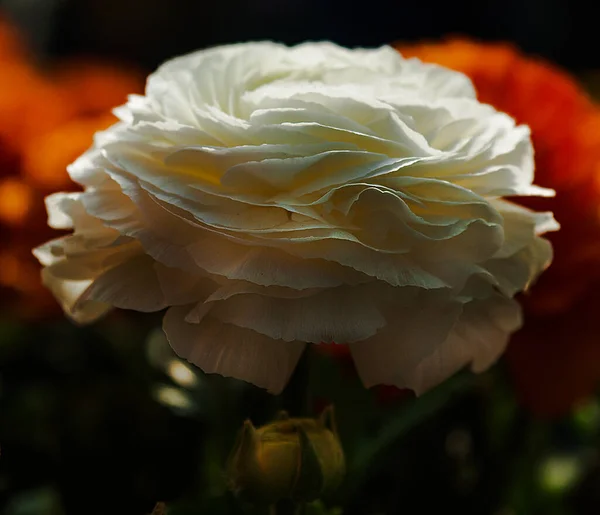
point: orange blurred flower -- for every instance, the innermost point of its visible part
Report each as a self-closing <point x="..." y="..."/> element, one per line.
<point x="15" y="201"/>
<point x="555" y="358"/>
<point x="46" y="121"/>
<point x="46" y="157"/>
<point x="12" y="46"/>
<point x="95" y="87"/>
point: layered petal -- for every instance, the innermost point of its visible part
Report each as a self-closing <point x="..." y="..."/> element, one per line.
<point x="271" y="197"/>
<point x="231" y="351"/>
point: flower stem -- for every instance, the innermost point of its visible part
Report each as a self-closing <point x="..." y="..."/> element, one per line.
<point x="296" y="398"/>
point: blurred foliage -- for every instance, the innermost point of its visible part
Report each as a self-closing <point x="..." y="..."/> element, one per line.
<point x="108" y="420"/>
<point x="78" y="421"/>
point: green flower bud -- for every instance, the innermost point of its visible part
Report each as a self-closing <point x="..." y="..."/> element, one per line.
<point x="290" y="458"/>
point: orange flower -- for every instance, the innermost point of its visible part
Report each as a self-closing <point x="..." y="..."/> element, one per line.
<point x="555" y="358"/>
<point x="96" y="87"/>
<point x="12" y="46"/>
<point x="46" y="121"/>
<point x="45" y="158"/>
<point x="15" y="201"/>
<point x="29" y="106"/>
<point x="92" y="90"/>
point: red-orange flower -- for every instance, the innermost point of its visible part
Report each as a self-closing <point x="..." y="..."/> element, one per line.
<point x="46" y="157"/>
<point x="555" y="358"/>
<point x="96" y="86"/>
<point x="46" y="121"/>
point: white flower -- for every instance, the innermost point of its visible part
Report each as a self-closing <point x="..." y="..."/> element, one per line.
<point x="271" y="197"/>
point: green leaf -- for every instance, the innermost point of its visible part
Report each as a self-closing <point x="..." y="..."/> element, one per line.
<point x="44" y="501"/>
<point x="372" y="453"/>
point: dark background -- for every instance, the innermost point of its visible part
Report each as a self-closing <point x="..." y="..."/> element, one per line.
<point x="150" y="31"/>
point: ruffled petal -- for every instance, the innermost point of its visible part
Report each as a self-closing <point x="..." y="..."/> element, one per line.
<point x="219" y="348"/>
<point x="415" y="331"/>
<point x="270" y="196"/>
<point x="331" y="315"/>
<point x="479" y="338"/>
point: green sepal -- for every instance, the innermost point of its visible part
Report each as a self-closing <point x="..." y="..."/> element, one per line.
<point x="240" y="456"/>
<point x="310" y="481"/>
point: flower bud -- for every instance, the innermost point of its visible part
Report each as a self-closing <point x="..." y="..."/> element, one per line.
<point x="290" y="458"/>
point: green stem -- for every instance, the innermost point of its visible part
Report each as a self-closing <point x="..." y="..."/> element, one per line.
<point x="296" y="398"/>
<point x="372" y="455"/>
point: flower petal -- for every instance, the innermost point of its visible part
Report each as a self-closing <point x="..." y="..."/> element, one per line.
<point x="231" y="351"/>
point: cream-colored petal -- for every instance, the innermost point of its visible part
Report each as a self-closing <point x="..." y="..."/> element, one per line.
<point x="68" y="292"/>
<point x="413" y="332"/>
<point x="476" y="335"/>
<point x="518" y="272"/>
<point x="521" y="226"/>
<point x="231" y="351"/>
<point x="479" y="338"/>
<point x="180" y="287"/>
<point x="131" y="285"/>
<point x="343" y="314"/>
<point x="311" y="193"/>
<point x="177" y="243"/>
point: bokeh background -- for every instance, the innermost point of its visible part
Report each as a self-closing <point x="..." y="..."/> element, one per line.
<point x="148" y="32"/>
<point x="106" y="420"/>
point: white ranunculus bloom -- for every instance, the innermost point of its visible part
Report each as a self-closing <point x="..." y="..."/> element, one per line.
<point x="269" y="197"/>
